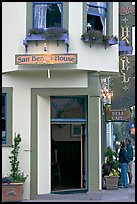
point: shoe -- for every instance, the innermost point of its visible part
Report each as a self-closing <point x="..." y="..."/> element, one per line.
<point x="125" y="186"/>
<point x="130" y="185"/>
<point x="120" y="186"/>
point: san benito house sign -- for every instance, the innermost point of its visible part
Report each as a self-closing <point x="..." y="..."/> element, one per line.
<point x="31" y="59"/>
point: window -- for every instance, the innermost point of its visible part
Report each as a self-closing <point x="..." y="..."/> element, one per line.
<point x="47" y="14"/>
<point x="6" y="116"/>
<point x="68" y="107"/>
<point x="96" y="15"/>
<point x="133" y="40"/>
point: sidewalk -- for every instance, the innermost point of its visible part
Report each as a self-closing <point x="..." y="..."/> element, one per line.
<point x="120" y="195"/>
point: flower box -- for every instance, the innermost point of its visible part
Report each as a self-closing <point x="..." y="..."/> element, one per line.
<point x="112" y="41"/>
<point x="12" y="192"/>
<point x="97" y="37"/>
<point x="12" y="185"/>
<point x="111" y="182"/>
<point x="54" y="34"/>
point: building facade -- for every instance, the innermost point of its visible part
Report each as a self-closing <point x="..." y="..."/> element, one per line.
<point x="51" y="92"/>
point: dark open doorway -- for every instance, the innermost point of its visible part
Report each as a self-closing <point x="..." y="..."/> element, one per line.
<point x="67" y="166"/>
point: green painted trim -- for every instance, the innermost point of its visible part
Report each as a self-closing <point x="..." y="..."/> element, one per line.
<point x="9" y="91"/>
<point x="33" y="159"/>
<point x="66" y="15"/>
<point x="84" y="17"/>
<point x="91" y="91"/>
<point x="93" y="141"/>
<point x="29" y="13"/>
<point x="109" y="19"/>
<point x="103" y="134"/>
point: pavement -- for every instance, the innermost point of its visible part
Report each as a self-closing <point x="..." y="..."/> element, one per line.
<point x="118" y="195"/>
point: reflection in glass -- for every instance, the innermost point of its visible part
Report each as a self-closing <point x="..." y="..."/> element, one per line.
<point x="67" y="107"/>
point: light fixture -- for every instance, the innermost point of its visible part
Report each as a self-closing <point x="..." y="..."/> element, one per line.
<point x="105" y="93"/>
<point x="48" y="72"/>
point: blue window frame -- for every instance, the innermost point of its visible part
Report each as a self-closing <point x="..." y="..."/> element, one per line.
<point x="47" y="14"/>
<point x="4" y="117"/>
<point x="96" y="15"/>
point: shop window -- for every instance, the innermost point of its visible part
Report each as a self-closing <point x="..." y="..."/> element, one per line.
<point x="96" y="16"/>
<point x="133" y="40"/>
<point x="47" y="14"/>
<point x="6" y="116"/>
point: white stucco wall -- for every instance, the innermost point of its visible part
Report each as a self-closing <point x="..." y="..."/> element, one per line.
<point x="21" y="124"/>
<point x="44" y="145"/>
<point x="22" y="84"/>
<point x="14" y="31"/>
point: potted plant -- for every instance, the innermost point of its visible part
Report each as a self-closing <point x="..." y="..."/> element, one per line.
<point x="12" y="185"/>
<point x="52" y="33"/>
<point x="97" y="37"/>
<point x="110" y="170"/>
<point x="112" y="180"/>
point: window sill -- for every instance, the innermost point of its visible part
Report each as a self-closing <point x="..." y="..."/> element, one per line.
<point x="41" y="37"/>
<point x="111" y="41"/>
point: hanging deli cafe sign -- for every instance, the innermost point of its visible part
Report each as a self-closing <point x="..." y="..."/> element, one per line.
<point x="117" y="114"/>
<point x="38" y="59"/>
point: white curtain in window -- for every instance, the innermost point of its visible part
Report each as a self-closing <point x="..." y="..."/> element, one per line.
<point x="101" y="11"/>
<point x="60" y="7"/>
<point x="40" y="16"/>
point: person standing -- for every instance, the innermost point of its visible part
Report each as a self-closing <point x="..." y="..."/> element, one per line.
<point x="123" y="160"/>
<point x="130" y="155"/>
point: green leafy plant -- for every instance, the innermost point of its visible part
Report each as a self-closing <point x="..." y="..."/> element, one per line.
<point x="111" y="165"/>
<point x="95" y="36"/>
<point x="15" y="176"/>
<point x="49" y="33"/>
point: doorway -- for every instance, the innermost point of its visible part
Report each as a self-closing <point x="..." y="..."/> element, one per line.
<point x="68" y="142"/>
<point x="68" y="156"/>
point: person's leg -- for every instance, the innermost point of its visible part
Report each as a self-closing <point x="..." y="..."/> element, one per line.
<point x="124" y="174"/>
<point x="130" y="173"/>
<point x="130" y="178"/>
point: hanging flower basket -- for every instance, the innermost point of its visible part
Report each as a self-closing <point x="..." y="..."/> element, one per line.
<point x="96" y="37"/>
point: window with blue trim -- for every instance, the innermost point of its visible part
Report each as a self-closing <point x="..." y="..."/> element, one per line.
<point x="96" y="16"/>
<point x="4" y="118"/>
<point x="7" y="116"/>
<point x="47" y="14"/>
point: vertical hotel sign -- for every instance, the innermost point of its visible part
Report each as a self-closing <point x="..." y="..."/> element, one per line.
<point x="37" y="59"/>
<point x="124" y="85"/>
